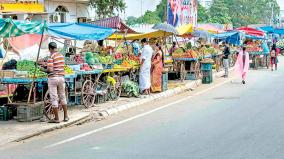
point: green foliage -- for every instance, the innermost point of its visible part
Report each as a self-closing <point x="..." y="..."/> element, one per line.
<point x="202" y="15"/>
<point x="151" y="18"/>
<point x="131" y="20"/>
<point x="243" y="12"/>
<point x="107" y="8"/>
<point x="161" y="10"/>
<point x="219" y="12"/>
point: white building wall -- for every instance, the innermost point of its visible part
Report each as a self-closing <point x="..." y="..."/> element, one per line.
<point x="75" y="10"/>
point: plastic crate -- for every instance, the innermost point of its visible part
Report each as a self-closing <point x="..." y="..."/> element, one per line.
<point x="118" y="62"/>
<point x="165" y="81"/>
<point x="6" y="113"/>
<point x="206" y="66"/>
<point x="7" y="74"/>
<point x="29" y="112"/>
<point x="190" y="76"/>
<point x="100" y="98"/>
<point x="207" y="77"/>
<point x="107" y="66"/>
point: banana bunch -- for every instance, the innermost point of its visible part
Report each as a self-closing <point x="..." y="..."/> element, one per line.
<point x="111" y="80"/>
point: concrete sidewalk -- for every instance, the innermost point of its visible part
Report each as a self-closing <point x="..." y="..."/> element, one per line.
<point x="12" y="130"/>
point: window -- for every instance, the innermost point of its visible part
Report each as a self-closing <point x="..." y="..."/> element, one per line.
<point x="60" y="15"/>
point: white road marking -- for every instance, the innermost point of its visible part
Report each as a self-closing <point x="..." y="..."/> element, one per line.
<point x="131" y="118"/>
<point x="96" y="148"/>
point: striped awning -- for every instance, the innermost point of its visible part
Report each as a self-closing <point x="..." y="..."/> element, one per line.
<point x="10" y="28"/>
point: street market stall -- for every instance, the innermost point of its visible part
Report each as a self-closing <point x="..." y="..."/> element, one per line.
<point x="34" y="81"/>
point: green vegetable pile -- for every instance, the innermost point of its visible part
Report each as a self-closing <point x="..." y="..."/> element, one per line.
<point x="130" y="88"/>
<point x="26" y="65"/>
<point x="106" y="59"/>
<point x="92" y="58"/>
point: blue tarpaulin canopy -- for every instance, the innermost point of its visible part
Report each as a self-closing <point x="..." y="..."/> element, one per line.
<point x="254" y="37"/>
<point x="79" y="31"/>
<point x="13" y="28"/>
<point x="279" y="31"/>
<point x="232" y="37"/>
<point x="268" y="29"/>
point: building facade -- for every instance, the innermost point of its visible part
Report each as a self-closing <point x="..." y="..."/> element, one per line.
<point x="54" y="11"/>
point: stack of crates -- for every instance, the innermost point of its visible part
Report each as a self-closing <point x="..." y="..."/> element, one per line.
<point x="206" y="69"/>
<point x="29" y="112"/>
<point x="6" y="113"/>
<point x="165" y="81"/>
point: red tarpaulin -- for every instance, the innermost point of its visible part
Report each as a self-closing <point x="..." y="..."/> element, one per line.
<point x="115" y="23"/>
<point x="251" y="31"/>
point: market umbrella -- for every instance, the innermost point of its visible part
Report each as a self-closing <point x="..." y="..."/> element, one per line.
<point x="166" y="28"/>
<point x="201" y="34"/>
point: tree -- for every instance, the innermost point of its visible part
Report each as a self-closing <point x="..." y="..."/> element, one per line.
<point x="132" y="20"/>
<point x="245" y="12"/>
<point x="151" y="18"/>
<point x="202" y="15"/>
<point x="219" y="12"/>
<point x="107" y="8"/>
<point x="161" y="10"/>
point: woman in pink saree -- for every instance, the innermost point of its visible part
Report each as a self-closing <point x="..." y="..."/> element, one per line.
<point x="242" y="64"/>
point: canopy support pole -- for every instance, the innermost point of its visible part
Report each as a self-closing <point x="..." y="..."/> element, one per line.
<point x="36" y="63"/>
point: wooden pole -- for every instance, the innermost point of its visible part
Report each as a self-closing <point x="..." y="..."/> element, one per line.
<point x="38" y="53"/>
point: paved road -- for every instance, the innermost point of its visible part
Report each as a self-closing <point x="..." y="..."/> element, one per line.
<point x="231" y="121"/>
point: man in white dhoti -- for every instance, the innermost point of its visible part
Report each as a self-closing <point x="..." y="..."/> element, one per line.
<point x="145" y="69"/>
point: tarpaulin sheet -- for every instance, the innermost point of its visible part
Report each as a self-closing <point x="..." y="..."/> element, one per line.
<point x="185" y="29"/>
<point x="209" y="28"/>
<point x="25" y="41"/>
<point x="233" y="37"/>
<point x="279" y="31"/>
<point x="251" y="31"/>
<point x="12" y="28"/>
<point x="268" y="29"/>
<point x="79" y="31"/>
<point x="254" y="37"/>
<point x="155" y="34"/>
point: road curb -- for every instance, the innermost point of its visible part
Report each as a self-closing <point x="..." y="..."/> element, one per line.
<point x="79" y="121"/>
<point x="115" y="110"/>
<point x="171" y="92"/>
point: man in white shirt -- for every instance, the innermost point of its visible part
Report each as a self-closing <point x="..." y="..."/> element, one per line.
<point x="145" y="69"/>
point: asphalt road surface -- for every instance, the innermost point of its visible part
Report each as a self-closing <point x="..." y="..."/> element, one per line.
<point x="226" y="120"/>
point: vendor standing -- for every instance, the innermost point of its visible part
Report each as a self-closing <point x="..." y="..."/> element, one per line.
<point x="56" y="82"/>
<point x="145" y="70"/>
<point x="226" y="54"/>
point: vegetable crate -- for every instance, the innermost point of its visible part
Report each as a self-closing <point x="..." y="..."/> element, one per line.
<point x="6" y="113"/>
<point x="29" y="112"/>
<point x="190" y="76"/>
<point x="108" y="66"/>
<point x="7" y="73"/>
<point x="207" y="77"/>
<point x="165" y="81"/>
<point x="101" y="98"/>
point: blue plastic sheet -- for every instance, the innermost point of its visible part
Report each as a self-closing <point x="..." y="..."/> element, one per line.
<point x="279" y="31"/>
<point x="268" y="29"/>
<point x="79" y="31"/>
<point x="232" y="37"/>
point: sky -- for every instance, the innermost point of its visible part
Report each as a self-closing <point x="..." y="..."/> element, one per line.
<point x="134" y="7"/>
<point x="281" y="4"/>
